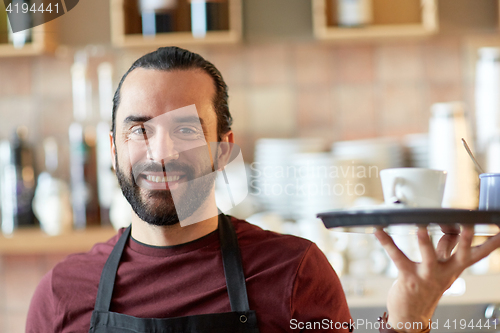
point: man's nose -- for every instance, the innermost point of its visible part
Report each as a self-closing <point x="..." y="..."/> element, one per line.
<point x="162" y="147"/>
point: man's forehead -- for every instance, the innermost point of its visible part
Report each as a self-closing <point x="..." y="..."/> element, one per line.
<point x="194" y="82"/>
<point x="150" y="92"/>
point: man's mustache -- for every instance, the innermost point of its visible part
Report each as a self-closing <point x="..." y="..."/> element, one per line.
<point x="142" y="167"/>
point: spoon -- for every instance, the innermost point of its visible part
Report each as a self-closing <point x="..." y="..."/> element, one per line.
<point x="478" y="167"/>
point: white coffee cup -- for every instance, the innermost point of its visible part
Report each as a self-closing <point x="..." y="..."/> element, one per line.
<point x="413" y="187"/>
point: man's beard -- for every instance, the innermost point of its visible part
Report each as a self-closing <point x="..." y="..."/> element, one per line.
<point x="161" y="210"/>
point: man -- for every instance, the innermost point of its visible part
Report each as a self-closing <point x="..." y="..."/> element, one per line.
<point x="182" y="267"/>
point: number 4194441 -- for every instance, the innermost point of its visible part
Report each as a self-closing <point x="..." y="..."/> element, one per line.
<point x="25" y="8"/>
<point x="462" y="324"/>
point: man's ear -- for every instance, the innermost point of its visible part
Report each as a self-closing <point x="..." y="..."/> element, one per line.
<point x="113" y="150"/>
<point x="228" y="137"/>
<point x="225" y="148"/>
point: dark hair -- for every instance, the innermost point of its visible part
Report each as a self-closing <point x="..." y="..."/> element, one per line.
<point x="174" y="58"/>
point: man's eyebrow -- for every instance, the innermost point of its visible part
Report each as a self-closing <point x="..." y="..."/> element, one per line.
<point x="136" y="119"/>
<point x="189" y="119"/>
<point x="180" y="120"/>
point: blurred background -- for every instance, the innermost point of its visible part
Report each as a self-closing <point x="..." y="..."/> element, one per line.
<point x="338" y="89"/>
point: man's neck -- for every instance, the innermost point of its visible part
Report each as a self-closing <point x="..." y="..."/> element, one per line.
<point x="171" y="235"/>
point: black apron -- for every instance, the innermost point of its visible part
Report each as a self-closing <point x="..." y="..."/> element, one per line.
<point x="240" y="320"/>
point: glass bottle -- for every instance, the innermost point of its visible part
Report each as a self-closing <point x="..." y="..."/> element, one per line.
<point x="20" y="22"/>
<point x="18" y="182"/>
<point x="157" y="16"/>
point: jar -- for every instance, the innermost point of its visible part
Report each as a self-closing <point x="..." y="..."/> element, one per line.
<point x="354" y="13"/>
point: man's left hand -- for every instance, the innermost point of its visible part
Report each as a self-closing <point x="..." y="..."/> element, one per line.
<point x="419" y="286"/>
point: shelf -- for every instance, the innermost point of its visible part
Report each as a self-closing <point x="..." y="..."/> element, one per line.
<point x="44" y="41"/>
<point x="391" y="19"/>
<point x="126" y="27"/>
<point x="34" y="241"/>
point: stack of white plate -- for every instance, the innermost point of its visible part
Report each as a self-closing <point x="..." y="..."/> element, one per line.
<point x="417" y="147"/>
<point x="273" y="174"/>
<point x="317" y="186"/>
<point x="383" y="152"/>
<point x="367" y="158"/>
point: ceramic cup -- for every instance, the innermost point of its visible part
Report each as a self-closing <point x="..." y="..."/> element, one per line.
<point x="489" y="191"/>
<point x="413" y="187"/>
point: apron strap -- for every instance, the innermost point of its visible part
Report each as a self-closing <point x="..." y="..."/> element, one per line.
<point x="108" y="275"/>
<point x="233" y="269"/>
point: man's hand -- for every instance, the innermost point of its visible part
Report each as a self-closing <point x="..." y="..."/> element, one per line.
<point x="419" y="286"/>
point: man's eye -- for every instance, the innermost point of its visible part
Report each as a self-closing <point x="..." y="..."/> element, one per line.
<point x="188" y="133"/>
<point x="186" y="130"/>
<point x="139" y="131"/>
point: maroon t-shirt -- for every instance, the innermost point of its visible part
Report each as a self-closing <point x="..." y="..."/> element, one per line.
<point x="289" y="283"/>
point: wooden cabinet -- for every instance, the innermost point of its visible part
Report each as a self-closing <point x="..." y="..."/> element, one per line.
<point x="43" y="39"/>
<point x="126" y="26"/>
<point x="391" y="18"/>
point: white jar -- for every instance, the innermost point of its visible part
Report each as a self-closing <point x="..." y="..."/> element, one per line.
<point x="487" y="99"/>
<point x="447" y="126"/>
<point x="353" y="13"/>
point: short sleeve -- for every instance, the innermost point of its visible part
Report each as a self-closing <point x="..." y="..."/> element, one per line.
<point x="41" y="312"/>
<point x="318" y="302"/>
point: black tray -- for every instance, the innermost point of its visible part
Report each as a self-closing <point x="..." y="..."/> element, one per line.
<point x="365" y="220"/>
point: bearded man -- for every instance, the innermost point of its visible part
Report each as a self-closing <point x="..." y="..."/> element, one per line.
<point x="182" y="266"/>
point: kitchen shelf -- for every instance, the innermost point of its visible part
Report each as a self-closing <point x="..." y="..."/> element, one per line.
<point x="43" y="41"/>
<point x="126" y="28"/>
<point x="391" y="19"/>
<point x="30" y="241"/>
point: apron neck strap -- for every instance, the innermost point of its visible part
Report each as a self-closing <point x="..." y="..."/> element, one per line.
<point x="233" y="269"/>
<point x="108" y="275"/>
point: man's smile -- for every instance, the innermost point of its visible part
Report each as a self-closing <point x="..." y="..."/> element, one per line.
<point x="160" y="180"/>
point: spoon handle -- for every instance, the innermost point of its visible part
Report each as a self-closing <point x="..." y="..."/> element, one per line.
<point x="478" y="167"/>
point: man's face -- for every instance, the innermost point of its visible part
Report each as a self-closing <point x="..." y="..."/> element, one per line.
<point x="163" y="124"/>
